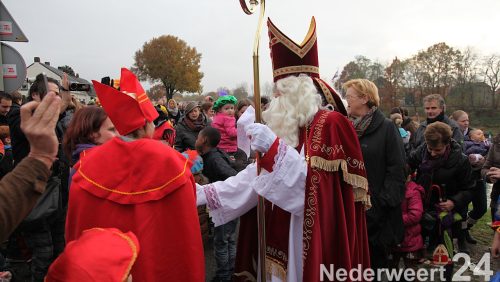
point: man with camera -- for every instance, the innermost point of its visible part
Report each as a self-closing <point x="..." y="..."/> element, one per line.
<point x="44" y="232"/>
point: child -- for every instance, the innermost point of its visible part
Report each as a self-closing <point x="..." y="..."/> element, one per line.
<point x="217" y="168"/>
<point x="412" y="208"/>
<point x="397" y="118"/>
<point x="225" y="122"/>
<point x="477" y="146"/>
<point x="7" y="161"/>
<point x="165" y="132"/>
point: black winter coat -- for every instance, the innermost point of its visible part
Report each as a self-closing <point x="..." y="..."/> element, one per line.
<point x="217" y="166"/>
<point x="454" y="175"/>
<point x="383" y="153"/>
<point x="419" y="134"/>
<point x="185" y="137"/>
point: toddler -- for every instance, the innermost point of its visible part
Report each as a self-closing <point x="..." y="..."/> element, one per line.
<point x="225" y="122"/>
<point x="477" y="147"/>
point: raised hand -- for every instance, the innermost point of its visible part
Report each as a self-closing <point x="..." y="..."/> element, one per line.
<point x="38" y="122"/>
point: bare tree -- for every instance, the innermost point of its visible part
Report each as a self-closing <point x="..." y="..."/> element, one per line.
<point x="491" y="76"/>
<point x="266" y="89"/>
<point x="467" y="71"/>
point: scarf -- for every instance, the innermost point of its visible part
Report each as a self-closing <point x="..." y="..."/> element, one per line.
<point x="195" y="125"/>
<point x="362" y="123"/>
<point x="429" y="165"/>
<point x="440" y="117"/>
<point x="173" y="111"/>
<point x="75" y="157"/>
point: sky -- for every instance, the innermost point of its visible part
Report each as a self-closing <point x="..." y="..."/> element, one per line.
<point x="97" y="38"/>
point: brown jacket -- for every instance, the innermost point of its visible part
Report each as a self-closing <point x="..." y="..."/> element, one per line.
<point x="493" y="157"/>
<point x="19" y="191"/>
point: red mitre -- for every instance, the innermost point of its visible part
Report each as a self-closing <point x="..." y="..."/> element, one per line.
<point x="100" y="254"/>
<point x="129" y="108"/>
<point x="290" y="58"/>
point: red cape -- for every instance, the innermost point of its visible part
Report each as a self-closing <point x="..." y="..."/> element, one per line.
<point x="334" y="211"/>
<point x="145" y="187"/>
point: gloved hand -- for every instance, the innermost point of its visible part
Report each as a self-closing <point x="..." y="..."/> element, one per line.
<point x="261" y="137"/>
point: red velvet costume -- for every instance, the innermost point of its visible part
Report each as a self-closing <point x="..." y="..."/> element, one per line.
<point x="336" y="193"/>
<point x="142" y="186"/>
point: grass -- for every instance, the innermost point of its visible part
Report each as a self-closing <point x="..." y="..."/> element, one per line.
<point x="482" y="230"/>
<point x="483" y="233"/>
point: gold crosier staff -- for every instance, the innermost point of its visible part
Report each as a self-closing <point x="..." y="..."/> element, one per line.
<point x="250" y="9"/>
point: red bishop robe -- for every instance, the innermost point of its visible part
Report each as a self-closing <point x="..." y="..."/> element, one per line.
<point x="336" y="196"/>
<point x="145" y="187"/>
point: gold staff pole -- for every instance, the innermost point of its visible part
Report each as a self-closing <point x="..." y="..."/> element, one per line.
<point x="249" y="9"/>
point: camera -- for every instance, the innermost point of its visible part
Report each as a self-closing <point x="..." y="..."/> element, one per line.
<point x="74" y="86"/>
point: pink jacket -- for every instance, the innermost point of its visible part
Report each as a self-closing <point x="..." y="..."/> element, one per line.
<point x="227" y="128"/>
<point x="412" y="208"/>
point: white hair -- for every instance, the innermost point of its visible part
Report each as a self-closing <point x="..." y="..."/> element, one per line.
<point x="294" y="105"/>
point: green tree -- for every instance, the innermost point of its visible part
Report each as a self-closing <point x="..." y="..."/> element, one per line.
<point x="169" y="60"/>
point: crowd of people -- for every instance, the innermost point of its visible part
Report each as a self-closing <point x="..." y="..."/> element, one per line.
<point x="123" y="190"/>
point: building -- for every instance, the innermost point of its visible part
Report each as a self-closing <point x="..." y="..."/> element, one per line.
<point x="37" y="67"/>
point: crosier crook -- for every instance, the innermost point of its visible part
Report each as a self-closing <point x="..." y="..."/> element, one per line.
<point x="250" y="9"/>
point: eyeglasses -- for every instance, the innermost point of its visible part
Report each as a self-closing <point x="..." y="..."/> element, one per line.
<point x="348" y="97"/>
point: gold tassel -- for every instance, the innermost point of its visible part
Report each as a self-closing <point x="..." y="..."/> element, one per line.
<point x="359" y="183"/>
<point x="273" y="268"/>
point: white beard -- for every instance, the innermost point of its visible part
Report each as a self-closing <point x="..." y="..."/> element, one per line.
<point x="296" y="104"/>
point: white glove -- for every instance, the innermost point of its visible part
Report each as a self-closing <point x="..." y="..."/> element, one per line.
<point x="261" y="137"/>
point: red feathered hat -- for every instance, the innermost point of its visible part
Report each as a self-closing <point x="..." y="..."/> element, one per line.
<point x="290" y="58"/>
<point x="129" y="108"/>
<point x="100" y="254"/>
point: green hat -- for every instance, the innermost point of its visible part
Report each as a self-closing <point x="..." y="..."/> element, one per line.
<point x="223" y="100"/>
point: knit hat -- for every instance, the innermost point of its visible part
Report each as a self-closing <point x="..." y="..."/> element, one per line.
<point x="223" y="100"/>
<point x="100" y="254"/>
<point x="190" y="106"/>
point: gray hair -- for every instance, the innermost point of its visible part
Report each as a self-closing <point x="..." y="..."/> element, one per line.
<point x="435" y="97"/>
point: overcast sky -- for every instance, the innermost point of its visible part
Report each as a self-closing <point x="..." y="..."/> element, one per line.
<point x="96" y="38"/>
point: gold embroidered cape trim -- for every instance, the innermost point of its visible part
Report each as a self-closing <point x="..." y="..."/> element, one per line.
<point x="131" y="193"/>
<point x="359" y="183"/>
<point x="327" y="92"/>
<point x="296" y="69"/>
<point x="132" y="245"/>
<point x="299" y="50"/>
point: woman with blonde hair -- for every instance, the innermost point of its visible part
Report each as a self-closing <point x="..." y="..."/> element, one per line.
<point x="383" y="153"/>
